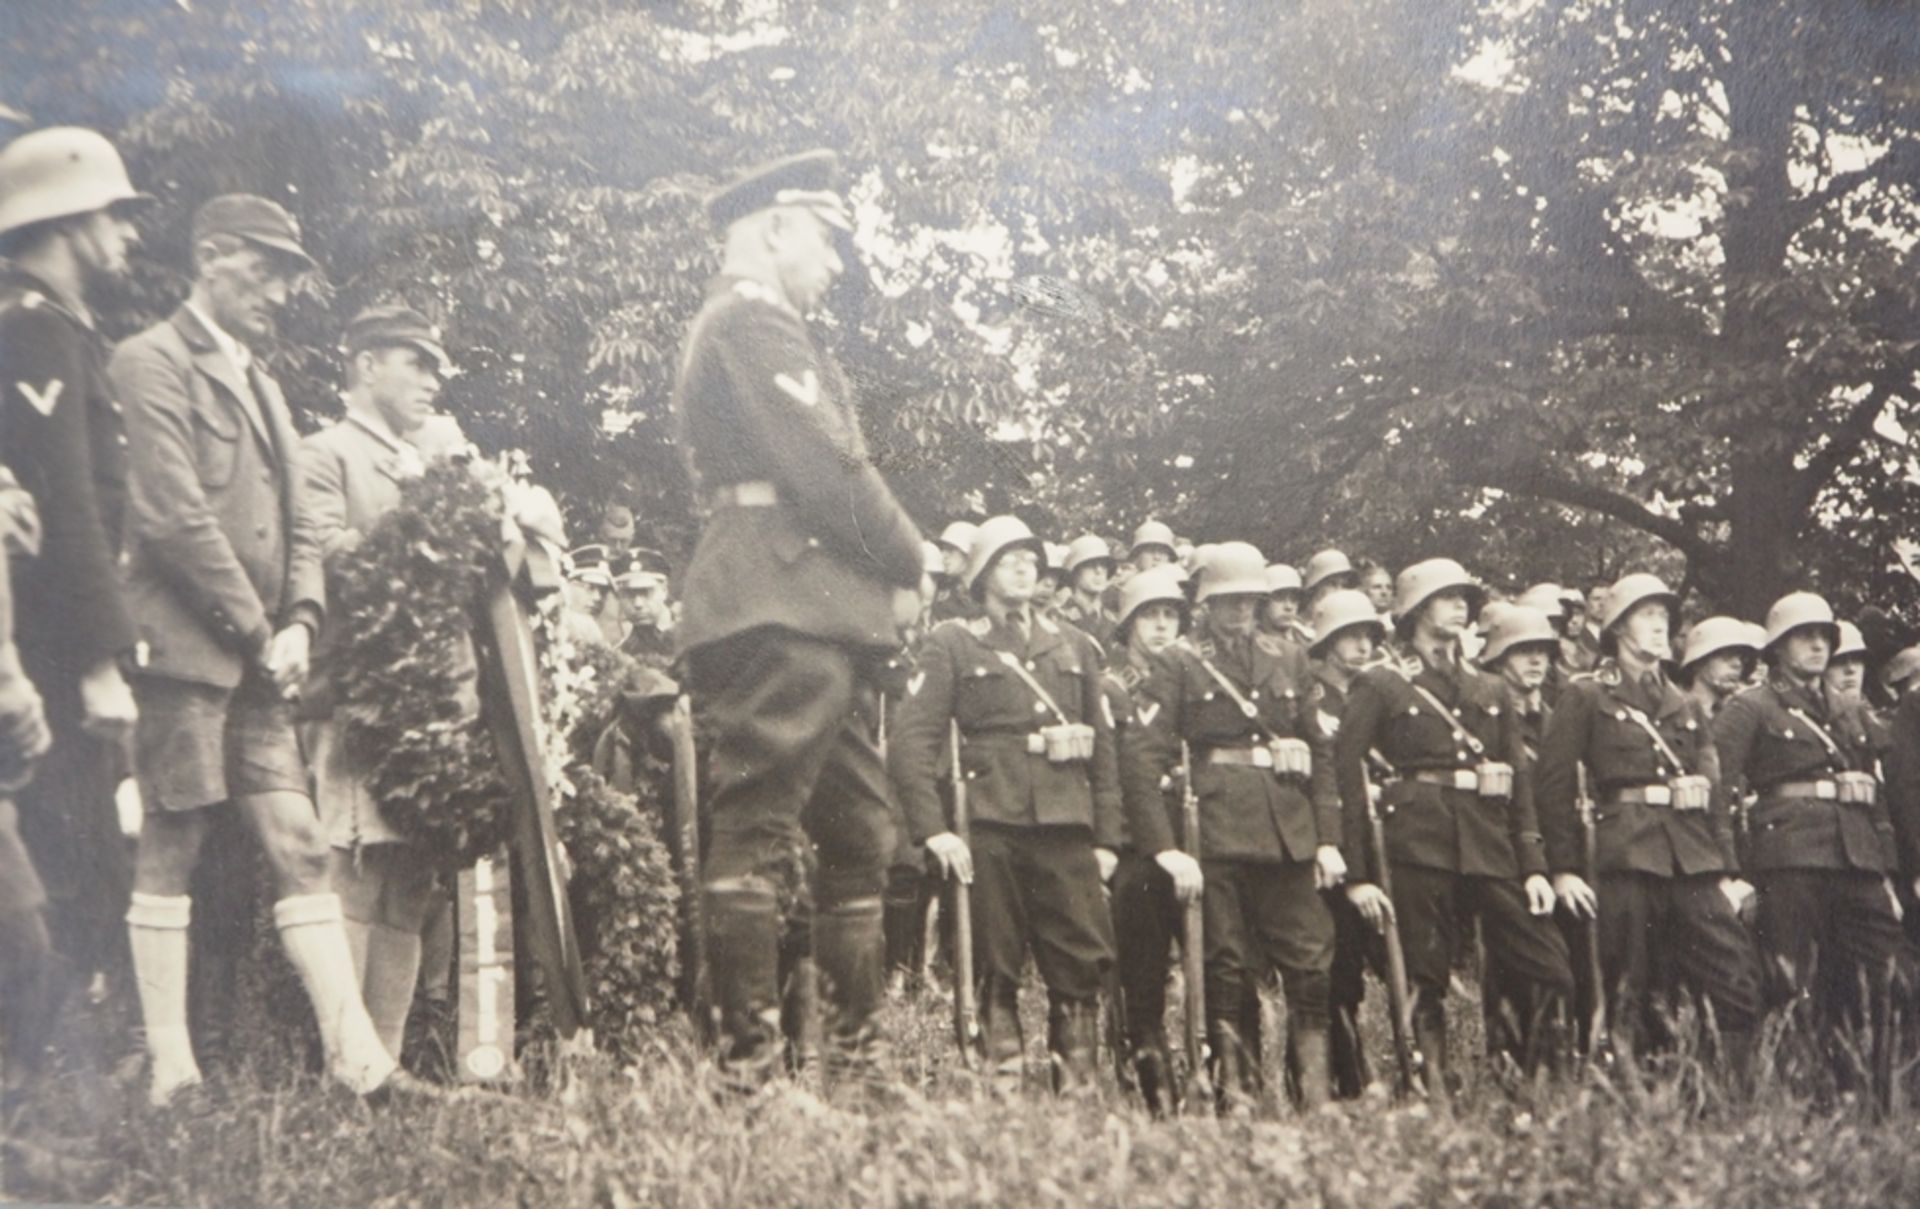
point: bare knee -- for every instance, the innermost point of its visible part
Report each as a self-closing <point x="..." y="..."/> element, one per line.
<point x="293" y="840"/>
<point x="168" y="850"/>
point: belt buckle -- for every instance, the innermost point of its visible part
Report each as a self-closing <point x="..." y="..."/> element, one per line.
<point x="1036" y="744"/>
<point x="1658" y="795"/>
<point x="1826" y="791"/>
<point x="1467" y="779"/>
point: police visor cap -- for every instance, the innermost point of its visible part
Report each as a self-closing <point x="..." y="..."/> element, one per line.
<point x="809" y="180"/>
<point x="403" y="327"/>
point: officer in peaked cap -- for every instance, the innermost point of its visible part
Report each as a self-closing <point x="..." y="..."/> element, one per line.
<point x="806" y="574"/>
<point x="64" y="232"/>
<point x="1821" y="843"/>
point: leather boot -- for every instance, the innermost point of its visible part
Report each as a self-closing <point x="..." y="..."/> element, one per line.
<point x="1430" y="1038"/>
<point x="1232" y="1082"/>
<point x="1152" y="1067"/>
<point x="743" y="941"/>
<point x="1348" y="1056"/>
<point x="848" y="942"/>
<point x="1310" y="1049"/>
<point x="902" y="926"/>
<point x="1002" y="1046"/>
<point x="800" y="1022"/>
<point x="1073" y="1044"/>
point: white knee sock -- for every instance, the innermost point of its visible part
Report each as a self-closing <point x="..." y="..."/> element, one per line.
<point x="157" y="934"/>
<point x="311" y="929"/>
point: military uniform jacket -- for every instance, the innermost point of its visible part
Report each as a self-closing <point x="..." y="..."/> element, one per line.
<point x="1763" y="745"/>
<point x="1097" y="622"/>
<point x="1594" y="725"/>
<point x="63" y="435"/>
<point x="214" y="506"/>
<point x="758" y="402"/>
<point x="1903" y="782"/>
<point x="1434" y="826"/>
<point x="962" y="677"/>
<point x="1122" y="683"/>
<point x="1246" y="813"/>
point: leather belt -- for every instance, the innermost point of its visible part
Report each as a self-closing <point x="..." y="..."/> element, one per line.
<point x="1243" y="757"/>
<point x="1031" y="741"/>
<point x="1825" y="790"/>
<point x="1456" y="778"/>
<point x="753" y="493"/>
<point x="1651" y="795"/>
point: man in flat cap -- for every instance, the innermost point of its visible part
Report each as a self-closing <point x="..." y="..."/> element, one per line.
<point x="64" y="231"/>
<point x="227" y="616"/>
<point x="351" y="474"/>
<point x="805" y="574"/>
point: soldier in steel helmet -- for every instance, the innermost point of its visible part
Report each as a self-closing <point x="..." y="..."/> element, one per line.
<point x="1460" y="826"/>
<point x="1328" y="571"/>
<point x="1037" y="751"/>
<point x="65" y="231"/>
<point x="806" y="573"/>
<point x="1246" y="706"/>
<point x="1090" y="570"/>
<point x="1349" y="635"/>
<point x="1669" y="888"/>
<point x="951" y="598"/>
<point x="1821" y="840"/>
<point x="1280" y="613"/>
<point x="1147" y="888"/>
<point x="1715" y="661"/>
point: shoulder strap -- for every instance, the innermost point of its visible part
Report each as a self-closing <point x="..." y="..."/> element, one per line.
<point x="1013" y="662"/>
<point x="1820" y="733"/>
<point x="1453" y="722"/>
<point x="1640" y="719"/>
<point x="1247" y="707"/>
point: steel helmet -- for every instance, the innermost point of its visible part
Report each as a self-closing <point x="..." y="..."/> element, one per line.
<point x="995" y="537"/>
<point x="1424" y="580"/>
<point x="1901" y="667"/>
<point x="1636" y="589"/>
<point x="1056" y="557"/>
<point x="1796" y="610"/>
<point x="1153" y="533"/>
<point x="59" y="172"/>
<point x="932" y="561"/>
<point x="1282" y="578"/>
<point x="1716" y="634"/>
<point x="1324" y="566"/>
<point x="1233" y="569"/>
<point x="1549" y="598"/>
<point x="1512" y="626"/>
<point x="1087" y="548"/>
<point x="1161" y="585"/>
<point x="1340" y="610"/>
<point x="959" y="536"/>
<point x="1852" y="644"/>
<point x="1197" y="558"/>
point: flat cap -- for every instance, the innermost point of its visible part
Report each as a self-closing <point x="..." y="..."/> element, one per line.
<point x="392" y="326"/>
<point x="809" y="180"/>
<point x="254" y="219"/>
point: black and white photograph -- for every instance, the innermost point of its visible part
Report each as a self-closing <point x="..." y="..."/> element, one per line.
<point x="960" y="602"/>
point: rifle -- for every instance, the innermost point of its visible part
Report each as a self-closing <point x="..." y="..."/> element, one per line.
<point x="1590" y="927"/>
<point x="1193" y="964"/>
<point x="1399" y="998"/>
<point x="684" y="840"/>
<point x="966" y="1010"/>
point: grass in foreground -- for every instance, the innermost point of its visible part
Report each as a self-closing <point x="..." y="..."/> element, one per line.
<point x="657" y="1133"/>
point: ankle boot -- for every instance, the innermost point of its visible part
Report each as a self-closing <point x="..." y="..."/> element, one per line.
<point x="743" y="938"/>
<point x="1152" y="1070"/>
